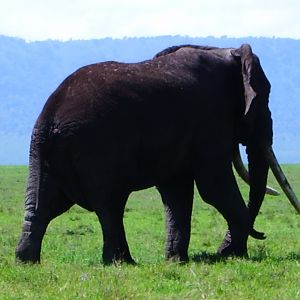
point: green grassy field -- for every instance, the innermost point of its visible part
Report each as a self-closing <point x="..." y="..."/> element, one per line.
<point x="71" y="255"/>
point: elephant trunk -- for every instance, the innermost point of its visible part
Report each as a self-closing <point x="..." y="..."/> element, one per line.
<point x="259" y="163"/>
<point x="258" y="173"/>
<point x="243" y="172"/>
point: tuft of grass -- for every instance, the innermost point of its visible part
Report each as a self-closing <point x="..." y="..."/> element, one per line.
<point x="71" y="254"/>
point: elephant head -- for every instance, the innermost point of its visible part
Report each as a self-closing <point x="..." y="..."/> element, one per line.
<point x="255" y="132"/>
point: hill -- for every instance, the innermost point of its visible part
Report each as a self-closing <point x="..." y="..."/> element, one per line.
<point x="30" y="71"/>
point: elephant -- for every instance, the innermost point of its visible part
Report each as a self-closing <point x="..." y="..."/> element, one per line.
<point x="112" y="128"/>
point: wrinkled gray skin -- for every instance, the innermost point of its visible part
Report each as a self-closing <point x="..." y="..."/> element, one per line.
<point x="113" y="128"/>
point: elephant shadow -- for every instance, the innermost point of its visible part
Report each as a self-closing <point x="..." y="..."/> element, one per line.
<point x="208" y="258"/>
<point x="291" y="256"/>
<point x="212" y="258"/>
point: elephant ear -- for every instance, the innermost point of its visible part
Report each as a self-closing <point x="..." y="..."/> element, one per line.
<point x="247" y="61"/>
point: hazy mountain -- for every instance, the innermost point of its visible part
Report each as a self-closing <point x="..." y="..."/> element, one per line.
<point x="29" y="72"/>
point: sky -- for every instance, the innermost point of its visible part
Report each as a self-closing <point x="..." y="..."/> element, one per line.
<point x="86" y="19"/>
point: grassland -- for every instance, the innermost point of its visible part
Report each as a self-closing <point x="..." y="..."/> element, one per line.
<point x="71" y="256"/>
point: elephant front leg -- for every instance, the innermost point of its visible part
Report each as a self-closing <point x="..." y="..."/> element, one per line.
<point x="178" y="200"/>
<point x="217" y="186"/>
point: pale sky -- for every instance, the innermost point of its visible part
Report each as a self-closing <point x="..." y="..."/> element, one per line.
<point x="86" y="19"/>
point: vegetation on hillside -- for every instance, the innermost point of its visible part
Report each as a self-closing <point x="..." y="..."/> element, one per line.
<point x="29" y="73"/>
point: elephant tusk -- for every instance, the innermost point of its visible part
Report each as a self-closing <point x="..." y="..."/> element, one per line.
<point x="243" y="173"/>
<point x="282" y="180"/>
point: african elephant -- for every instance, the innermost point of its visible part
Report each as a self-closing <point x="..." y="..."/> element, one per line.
<point x="112" y="128"/>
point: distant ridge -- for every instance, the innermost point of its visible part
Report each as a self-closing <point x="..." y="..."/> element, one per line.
<point x="29" y="72"/>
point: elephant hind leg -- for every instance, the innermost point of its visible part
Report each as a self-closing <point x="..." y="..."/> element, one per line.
<point x="49" y="202"/>
<point x="110" y="211"/>
<point x="177" y="197"/>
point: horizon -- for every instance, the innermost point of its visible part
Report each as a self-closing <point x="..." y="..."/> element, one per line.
<point x="149" y="37"/>
<point x="93" y="19"/>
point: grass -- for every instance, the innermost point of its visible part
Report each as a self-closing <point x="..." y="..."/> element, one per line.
<point x="71" y="256"/>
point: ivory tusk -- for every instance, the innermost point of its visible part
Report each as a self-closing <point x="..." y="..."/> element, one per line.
<point x="243" y="173"/>
<point x="282" y="180"/>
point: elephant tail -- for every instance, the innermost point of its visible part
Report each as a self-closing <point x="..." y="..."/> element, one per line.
<point x="37" y="165"/>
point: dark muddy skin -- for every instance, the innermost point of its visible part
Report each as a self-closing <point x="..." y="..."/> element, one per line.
<point x="113" y="128"/>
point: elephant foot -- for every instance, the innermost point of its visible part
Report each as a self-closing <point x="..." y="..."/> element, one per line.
<point x="118" y="261"/>
<point x="177" y="248"/>
<point x="28" y="251"/>
<point x="177" y="258"/>
<point x="29" y="246"/>
<point x="117" y="258"/>
<point x="229" y="248"/>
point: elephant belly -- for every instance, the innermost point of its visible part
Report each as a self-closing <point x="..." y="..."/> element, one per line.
<point x="120" y="155"/>
<point x="124" y="167"/>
